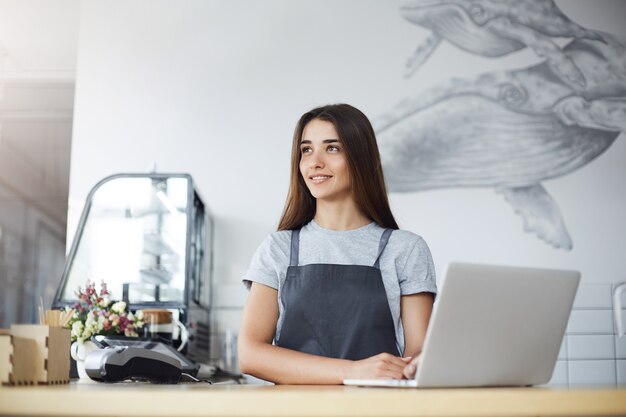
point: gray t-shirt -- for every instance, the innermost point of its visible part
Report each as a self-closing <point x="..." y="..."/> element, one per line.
<point x="406" y="264"/>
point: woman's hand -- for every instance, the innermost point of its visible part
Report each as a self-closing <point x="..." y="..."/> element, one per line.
<point x="410" y="369"/>
<point x="381" y="366"/>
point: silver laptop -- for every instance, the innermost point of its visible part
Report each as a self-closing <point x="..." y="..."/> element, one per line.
<point x="493" y="326"/>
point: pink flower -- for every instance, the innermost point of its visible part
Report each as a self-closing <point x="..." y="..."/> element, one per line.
<point x="101" y="314"/>
<point x="123" y="323"/>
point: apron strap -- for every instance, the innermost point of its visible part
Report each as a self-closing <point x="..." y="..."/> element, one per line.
<point x="381" y="247"/>
<point x="295" y="247"/>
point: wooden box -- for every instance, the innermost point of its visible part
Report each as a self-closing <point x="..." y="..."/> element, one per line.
<point x="6" y="349"/>
<point x="16" y="359"/>
<point x="40" y="354"/>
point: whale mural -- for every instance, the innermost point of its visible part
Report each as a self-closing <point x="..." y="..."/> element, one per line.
<point x="508" y="130"/>
<point x="494" y="28"/>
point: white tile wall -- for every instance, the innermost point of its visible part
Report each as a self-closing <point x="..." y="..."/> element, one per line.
<point x="590" y="322"/>
<point x="621" y="372"/>
<point x="560" y="374"/>
<point x="591" y="346"/>
<point x="592" y="354"/>
<point x="591" y="372"/>
<point x="620" y="347"/>
<point x="593" y="296"/>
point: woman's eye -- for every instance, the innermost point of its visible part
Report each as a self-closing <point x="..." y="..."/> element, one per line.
<point x="304" y="150"/>
<point x="333" y="148"/>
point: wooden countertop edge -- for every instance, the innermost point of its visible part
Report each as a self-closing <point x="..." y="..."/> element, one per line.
<point x="154" y="401"/>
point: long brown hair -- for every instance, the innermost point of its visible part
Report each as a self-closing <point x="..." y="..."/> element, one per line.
<point x="363" y="159"/>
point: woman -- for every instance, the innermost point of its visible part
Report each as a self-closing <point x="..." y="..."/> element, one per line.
<point x="338" y="288"/>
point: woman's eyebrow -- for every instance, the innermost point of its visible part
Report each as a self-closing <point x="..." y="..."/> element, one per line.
<point x="324" y="141"/>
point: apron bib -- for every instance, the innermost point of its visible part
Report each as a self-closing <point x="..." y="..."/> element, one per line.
<point x="337" y="311"/>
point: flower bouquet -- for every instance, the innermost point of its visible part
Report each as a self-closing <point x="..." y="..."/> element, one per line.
<point x="95" y="313"/>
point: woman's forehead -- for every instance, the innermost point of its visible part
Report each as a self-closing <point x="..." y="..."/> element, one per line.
<point x="319" y="130"/>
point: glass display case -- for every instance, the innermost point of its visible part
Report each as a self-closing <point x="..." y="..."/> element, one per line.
<point x="149" y="237"/>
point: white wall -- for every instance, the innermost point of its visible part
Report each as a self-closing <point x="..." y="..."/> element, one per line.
<point x="214" y="88"/>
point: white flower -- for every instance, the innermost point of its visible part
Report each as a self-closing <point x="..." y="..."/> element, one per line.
<point x="139" y="314"/>
<point x="93" y="325"/>
<point x="77" y="330"/>
<point x="91" y="318"/>
<point x="119" y="307"/>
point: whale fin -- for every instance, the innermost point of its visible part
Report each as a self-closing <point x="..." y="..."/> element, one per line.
<point x="540" y="213"/>
<point x="562" y="65"/>
<point x="421" y="54"/>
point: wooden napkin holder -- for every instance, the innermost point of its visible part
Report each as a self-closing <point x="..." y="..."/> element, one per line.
<point x="6" y="349"/>
<point x="37" y="354"/>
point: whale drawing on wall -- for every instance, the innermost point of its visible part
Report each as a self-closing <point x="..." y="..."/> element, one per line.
<point x="494" y="28"/>
<point x="512" y="130"/>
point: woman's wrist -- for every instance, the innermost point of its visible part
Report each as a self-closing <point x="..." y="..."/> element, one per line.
<point x="345" y="370"/>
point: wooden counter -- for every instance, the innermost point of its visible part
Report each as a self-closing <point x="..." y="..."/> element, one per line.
<point x="142" y="399"/>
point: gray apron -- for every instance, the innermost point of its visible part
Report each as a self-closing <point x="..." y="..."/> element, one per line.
<point x="337" y="311"/>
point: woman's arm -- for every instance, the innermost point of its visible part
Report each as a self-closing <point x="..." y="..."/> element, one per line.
<point x="258" y="357"/>
<point x="415" y="310"/>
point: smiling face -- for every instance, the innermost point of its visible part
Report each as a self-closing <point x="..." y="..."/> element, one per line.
<point x="323" y="162"/>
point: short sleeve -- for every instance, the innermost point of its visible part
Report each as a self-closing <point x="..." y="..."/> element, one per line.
<point x="418" y="274"/>
<point x="267" y="264"/>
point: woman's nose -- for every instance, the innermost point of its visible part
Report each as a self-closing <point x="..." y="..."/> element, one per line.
<point x="316" y="160"/>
